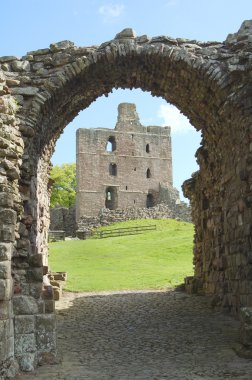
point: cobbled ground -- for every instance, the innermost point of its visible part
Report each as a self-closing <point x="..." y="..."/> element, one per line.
<point x="157" y="335"/>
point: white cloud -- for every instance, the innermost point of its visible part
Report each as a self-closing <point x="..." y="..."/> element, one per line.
<point x="111" y="11"/>
<point x="174" y="119"/>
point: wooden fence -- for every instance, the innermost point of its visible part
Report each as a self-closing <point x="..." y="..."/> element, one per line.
<point x="123" y="231"/>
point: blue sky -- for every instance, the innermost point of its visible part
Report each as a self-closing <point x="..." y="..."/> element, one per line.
<point x="31" y="24"/>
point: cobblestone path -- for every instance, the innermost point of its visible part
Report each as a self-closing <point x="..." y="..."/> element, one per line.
<point x="143" y="335"/>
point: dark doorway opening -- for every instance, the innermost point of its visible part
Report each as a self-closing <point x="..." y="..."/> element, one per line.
<point x="149" y="201"/>
<point x="111" y="198"/>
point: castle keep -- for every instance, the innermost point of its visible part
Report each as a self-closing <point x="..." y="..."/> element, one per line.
<point x="122" y="167"/>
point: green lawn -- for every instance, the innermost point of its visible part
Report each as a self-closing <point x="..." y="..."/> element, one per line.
<point x="153" y="260"/>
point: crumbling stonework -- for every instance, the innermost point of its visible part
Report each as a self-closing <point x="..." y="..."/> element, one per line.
<point x="63" y="219"/>
<point x="210" y="82"/>
<point x="121" y="167"/>
<point x="168" y="206"/>
<point x="161" y="211"/>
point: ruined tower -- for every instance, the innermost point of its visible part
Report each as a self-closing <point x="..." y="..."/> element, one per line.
<point x="122" y="167"/>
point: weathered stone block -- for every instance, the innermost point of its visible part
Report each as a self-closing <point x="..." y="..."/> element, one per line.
<point x="36" y="260"/>
<point x="21" y="66"/>
<point x="48" y="293"/>
<point x="36" y="289"/>
<point x="10" y="347"/>
<point x="45" y="322"/>
<point x="5" y="309"/>
<point x="6" y="250"/>
<point x="5" y="270"/>
<point x="25" y="343"/>
<point x="24" y="324"/>
<point x="7" y="232"/>
<point x="8" y="216"/>
<point x="46" y="341"/>
<point x="27" y="91"/>
<point x="6" y="200"/>
<point x="61" y="45"/>
<point x="41" y="306"/>
<point x="27" y="362"/>
<point x="24" y="305"/>
<point x="57" y="292"/>
<point x="35" y="274"/>
<point x="6" y="289"/>
<point x="49" y="306"/>
<point x="11" y="369"/>
<point x="8" y="326"/>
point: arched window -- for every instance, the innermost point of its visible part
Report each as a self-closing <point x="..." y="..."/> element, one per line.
<point x="113" y="169"/>
<point x="148" y="173"/>
<point x="147" y="148"/>
<point x="111" y="144"/>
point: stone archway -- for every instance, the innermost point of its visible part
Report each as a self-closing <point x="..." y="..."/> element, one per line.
<point x="42" y="92"/>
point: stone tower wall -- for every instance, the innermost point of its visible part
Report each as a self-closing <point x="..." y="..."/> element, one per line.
<point x="131" y="159"/>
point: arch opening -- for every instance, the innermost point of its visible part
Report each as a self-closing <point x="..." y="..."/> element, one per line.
<point x="203" y="89"/>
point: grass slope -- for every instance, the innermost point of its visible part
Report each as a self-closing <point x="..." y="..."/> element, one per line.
<point x="153" y="260"/>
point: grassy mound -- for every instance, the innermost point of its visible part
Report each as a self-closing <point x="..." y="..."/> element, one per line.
<point x="152" y="260"/>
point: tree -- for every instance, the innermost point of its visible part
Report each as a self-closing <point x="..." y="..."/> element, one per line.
<point x="64" y="185"/>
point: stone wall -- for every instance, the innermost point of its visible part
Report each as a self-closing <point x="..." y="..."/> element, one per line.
<point x="210" y="82"/>
<point x="161" y="211"/>
<point x="141" y="157"/>
<point x="167" y="203"/>
<point x="63" y="219"/>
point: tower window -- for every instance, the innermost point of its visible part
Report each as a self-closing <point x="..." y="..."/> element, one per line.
<point x="147" y="148"/>
<point x="111" y="144"/>
<point x="148" y="173"/>
<point x="113" y="169"/>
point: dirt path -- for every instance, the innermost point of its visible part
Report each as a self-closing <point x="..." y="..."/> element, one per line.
<point x="143" y="335"/>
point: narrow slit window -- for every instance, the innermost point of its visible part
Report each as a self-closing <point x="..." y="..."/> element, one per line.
<point x="148" y="173"/>
<point x="147" y="148"/>
<point x="113" y="169"/>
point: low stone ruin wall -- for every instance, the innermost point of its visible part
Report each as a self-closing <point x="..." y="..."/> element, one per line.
<point x="161" y="211"/>
<point x="63" y="219"/>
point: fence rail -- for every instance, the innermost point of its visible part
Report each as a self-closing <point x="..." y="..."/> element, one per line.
<point x="123" y="231"/>
<point x="56" y="235"/>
